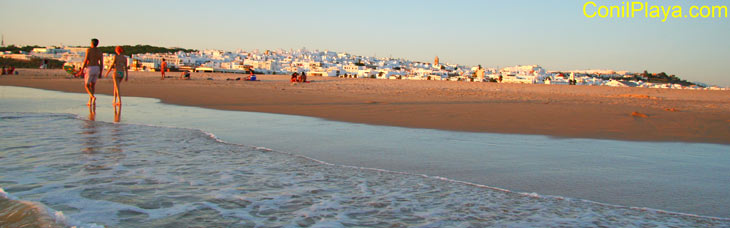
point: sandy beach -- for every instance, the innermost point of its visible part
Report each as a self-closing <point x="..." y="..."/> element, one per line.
<point x="634" y="114"/>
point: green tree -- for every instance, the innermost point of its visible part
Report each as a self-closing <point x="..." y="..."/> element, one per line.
<point x="142" y="49"/>
<point x="32" y="63"/>
<point x="16" y="49"/>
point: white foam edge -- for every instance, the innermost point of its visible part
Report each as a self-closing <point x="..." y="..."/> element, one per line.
<point x="525" y="194"/>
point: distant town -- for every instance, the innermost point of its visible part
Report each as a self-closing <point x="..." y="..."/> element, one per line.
<point x="341" y="64"/>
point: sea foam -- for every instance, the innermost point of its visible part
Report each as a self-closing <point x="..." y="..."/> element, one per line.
<point x="100" y="174"/>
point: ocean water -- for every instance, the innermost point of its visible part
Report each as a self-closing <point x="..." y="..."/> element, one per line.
<point x="90" y="173"/>
<point x="158" y="167"/>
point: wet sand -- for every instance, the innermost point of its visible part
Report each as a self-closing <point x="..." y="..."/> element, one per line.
<point x="14" y="213"/>
<point x="635" y="114"/>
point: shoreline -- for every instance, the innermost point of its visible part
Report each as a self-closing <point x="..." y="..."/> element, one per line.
<point x="425" y="179"/>
<point x="559" y="111"/>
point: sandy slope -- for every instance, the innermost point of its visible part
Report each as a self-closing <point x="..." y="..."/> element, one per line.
<point x="555" y="110"/>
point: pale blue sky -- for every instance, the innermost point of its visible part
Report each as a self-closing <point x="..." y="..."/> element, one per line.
<point x="552" y="33"/>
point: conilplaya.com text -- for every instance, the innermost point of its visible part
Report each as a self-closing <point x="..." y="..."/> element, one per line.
<point x="630" y="9"/>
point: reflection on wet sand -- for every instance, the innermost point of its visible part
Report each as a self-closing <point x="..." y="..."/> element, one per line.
<point x="117" y="113"/>
<point x="89" y="131"/>
<point x="98" y="153"/>
<point x="92" y="112"/>
<point x="117" y="133"/>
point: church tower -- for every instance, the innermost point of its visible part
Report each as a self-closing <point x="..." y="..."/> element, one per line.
<point x="436" y="61"/>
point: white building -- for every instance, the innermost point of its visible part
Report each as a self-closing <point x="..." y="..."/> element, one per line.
<point x="352" y="68"/>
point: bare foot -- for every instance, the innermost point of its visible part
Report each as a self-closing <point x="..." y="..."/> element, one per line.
<point x="93" y="100"/>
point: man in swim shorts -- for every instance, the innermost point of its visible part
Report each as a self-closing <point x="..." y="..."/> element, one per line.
<point x="92" y="66"/>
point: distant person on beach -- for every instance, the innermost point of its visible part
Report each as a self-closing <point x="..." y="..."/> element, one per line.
<point x="480" y="73"/>
<point x="185" y="75"/>
<point x="300" y="76"/>
<point x="251" y="77"/>
<point x="304" y="77"/>
<point x="120" y="71"/>
<point x="93" y="64"/>
<point x="10" y="70"/>
<point x="163" y="68"/>
<point x="572" y="80"/>
<point x="294" y="77"/>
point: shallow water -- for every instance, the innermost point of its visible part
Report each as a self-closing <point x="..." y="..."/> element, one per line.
<point x="683" y="177"/>
<point x="140" y="176"/>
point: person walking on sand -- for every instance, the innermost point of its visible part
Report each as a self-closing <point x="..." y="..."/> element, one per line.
<point x="93" y="64"/>
<point x="120" y="71"/>
<point x="163" y="68"/>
